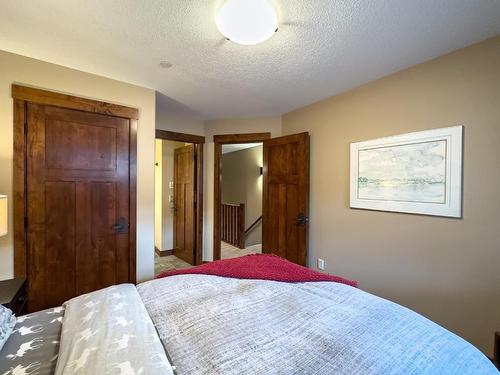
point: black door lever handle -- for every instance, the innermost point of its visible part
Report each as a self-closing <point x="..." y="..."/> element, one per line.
<point x="121" y="226"/>
<point x="301" y="219"/>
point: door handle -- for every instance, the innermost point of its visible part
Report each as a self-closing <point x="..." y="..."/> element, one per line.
<point x="121" y="226"/>
<point x="301" y="219"/>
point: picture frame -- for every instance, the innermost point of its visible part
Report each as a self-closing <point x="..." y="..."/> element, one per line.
<point x="418" y="173"/>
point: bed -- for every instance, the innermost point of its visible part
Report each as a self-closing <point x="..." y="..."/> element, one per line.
<point x="201" y="323"/>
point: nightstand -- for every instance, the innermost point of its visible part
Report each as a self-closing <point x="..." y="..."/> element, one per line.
<point x="14" y="295"/>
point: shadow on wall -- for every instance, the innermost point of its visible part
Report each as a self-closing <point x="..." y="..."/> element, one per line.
<point x="165" y="104"/>
<point x="177" y="117"/>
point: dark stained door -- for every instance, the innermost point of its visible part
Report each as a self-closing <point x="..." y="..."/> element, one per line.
<point x="285" y="197"/>
<point x="184" y="223"/>
<point x="77" y="203"/>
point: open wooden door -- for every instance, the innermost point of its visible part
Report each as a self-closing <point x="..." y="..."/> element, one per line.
<point x="285" y="197"/>
<point x="184" y="218"/>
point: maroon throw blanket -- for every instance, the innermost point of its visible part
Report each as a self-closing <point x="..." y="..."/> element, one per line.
<point x="259" y="266"/>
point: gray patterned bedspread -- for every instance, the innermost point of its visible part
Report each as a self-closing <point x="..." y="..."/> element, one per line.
<point x="215" y="325"/>
<point x="33" y="346"/>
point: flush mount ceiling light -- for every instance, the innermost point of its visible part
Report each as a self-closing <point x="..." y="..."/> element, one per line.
<point x="247" y="22"/>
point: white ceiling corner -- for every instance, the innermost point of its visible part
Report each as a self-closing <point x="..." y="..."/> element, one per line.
<point x="322" y="48"/>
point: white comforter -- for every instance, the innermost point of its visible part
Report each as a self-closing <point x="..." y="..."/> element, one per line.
<point x="214" y="325"/>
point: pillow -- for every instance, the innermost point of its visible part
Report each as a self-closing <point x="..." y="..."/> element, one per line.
<point x="7" y="323"/>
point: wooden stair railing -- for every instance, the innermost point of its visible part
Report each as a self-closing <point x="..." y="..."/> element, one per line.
<point x="254" y="224"/>
<point x="233" y="224"/>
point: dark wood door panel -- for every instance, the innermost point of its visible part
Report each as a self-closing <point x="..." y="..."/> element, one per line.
<point x="60" y="233"/>
<point x="36" y="246"/>
<point x="103" y="236"/>
<point x="78" y="190"/>
<point x="293" y="250"/>
<point x="184" y="219"/>
<point x="283" y="159"/>
<point x="281" y="214"/>
<point x="71" y="145"/>
<point x="179" y="218"/>
<point x="285" y="197"/>
<point x="87" y="255"/>
<point x="189" y="220"/>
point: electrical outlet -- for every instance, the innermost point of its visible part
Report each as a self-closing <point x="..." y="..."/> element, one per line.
<point x="321" y="264"/>
<point x="171" y="185"/>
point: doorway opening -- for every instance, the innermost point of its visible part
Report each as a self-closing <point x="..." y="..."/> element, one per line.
<point x="178" y="201"/>
<point x="241" y="199"/>
<point x="284" y="197"/>
<point x="233" y="216"/>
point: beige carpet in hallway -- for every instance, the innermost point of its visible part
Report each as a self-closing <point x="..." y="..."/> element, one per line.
<point x="228" y="251"/>
<point x="169" y="263"/>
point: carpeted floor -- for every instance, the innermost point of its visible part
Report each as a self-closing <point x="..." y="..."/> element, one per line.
<point x="228" y="251"/>
<point x="169" y="263"/>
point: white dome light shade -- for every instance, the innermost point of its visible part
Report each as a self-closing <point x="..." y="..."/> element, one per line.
<point x="247" y="22"/>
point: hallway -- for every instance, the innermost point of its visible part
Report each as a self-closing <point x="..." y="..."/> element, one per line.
<point x="169" y="263"/>
<point x="228" y="251"/>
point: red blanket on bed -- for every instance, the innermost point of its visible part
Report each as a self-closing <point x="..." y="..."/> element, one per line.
<point x="259" y="266"/>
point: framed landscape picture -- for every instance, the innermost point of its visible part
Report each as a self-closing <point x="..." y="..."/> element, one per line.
<point x="419" y="173"/>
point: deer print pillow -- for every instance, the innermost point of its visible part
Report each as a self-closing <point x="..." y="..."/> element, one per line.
<point x="110" y="332"/>
<point x="7" y="323"/>
<point x="33" y="345"/>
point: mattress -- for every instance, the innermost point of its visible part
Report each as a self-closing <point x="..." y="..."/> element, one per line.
<point x="34" y="344"/>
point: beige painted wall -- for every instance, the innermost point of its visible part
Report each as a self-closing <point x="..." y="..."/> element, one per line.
<point x="167" y="237"/>
<point x="179" y="124"/>
<point x="169" y="118"/>
<point x="240" y="126"/>
<point x="242" y="183"/>
<point x="231" y="126"/>
<point x="163" y="203"/>
<point x="23" y="70"/>
<point x="159" y="194"/>
<point x="445" y="269"/>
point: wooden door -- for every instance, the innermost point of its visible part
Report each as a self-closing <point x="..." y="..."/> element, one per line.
<point x="285" y="197"/>
<point x="77" y="175"/>
<point x="184" y="223"/>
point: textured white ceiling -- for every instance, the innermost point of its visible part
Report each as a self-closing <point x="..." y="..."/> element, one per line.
<point x="323" y="47"/>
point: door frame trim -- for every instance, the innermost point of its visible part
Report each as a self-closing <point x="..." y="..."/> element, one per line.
<point x="220" y="140"/>
<point x="22" y="95"/>
<point x="198" y="142"/>
<point x="56" y="99"/>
